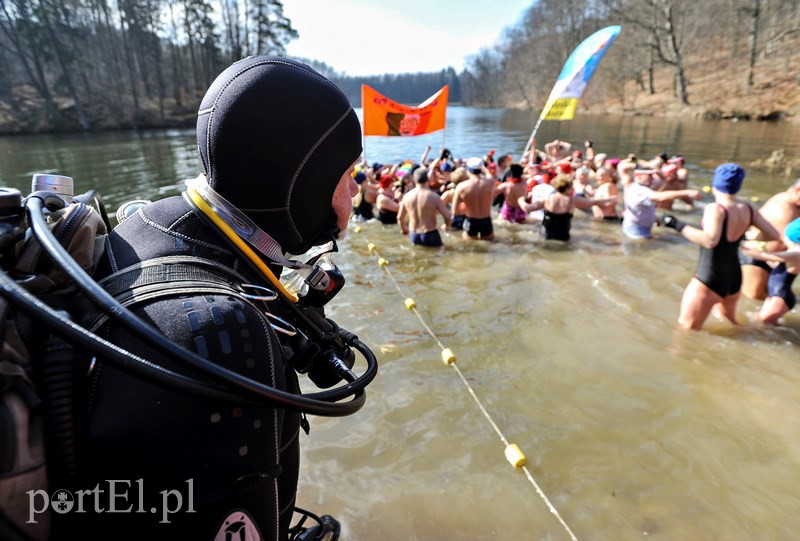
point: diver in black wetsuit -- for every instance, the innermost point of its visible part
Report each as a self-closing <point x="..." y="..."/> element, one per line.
<point x="278" y="141"/>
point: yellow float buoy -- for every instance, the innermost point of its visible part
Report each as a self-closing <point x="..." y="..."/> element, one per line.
<point x="410" y="304"/>
<point x="515" y="456"/>
<point x="448" y="357"/>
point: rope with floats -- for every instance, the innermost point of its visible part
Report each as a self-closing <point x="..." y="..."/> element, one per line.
<point x="513" y="453"/>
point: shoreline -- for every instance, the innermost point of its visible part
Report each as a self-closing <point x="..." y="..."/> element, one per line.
<point x="777" y="162"/>
<point x="22" y="112"/>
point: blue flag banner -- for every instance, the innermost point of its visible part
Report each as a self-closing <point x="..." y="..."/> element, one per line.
<point x="577" y="72"/>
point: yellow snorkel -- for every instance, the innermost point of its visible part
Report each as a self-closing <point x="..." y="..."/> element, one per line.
<point x="194" y="194"/>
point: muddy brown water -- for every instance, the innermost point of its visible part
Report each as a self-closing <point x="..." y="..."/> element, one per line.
<point x="632" y="429"/>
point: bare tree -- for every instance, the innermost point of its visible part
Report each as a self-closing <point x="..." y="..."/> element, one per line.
<point x="754" y="11"/>
<point x="483" y="71"/>
<point x="46" y="13"/>
<point x="18" y="26"/>
<point x="664" y="21"/>
<point x="232" y="29"/>
<point x="110" y="42"/>
<point x="178" y="81"/>
<point x="272" y="30"/>
<point x="115" y="54"/>
<point x="130" y="62"/>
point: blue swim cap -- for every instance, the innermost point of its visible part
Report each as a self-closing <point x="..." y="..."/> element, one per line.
<point x="360" y="177"/>
<point x="728" y="178"/>
<point x="792" y="231"/>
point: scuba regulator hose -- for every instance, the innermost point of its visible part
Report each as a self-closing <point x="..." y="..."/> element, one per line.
<point x="323" y="404"/>
<point x="208" y="216"/>
<point x="124" y="360"/>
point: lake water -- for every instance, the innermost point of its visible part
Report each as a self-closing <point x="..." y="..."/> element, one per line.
<point x="632" y="429"/>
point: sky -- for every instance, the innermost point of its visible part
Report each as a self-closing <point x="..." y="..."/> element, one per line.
<point x="371" y="37"/>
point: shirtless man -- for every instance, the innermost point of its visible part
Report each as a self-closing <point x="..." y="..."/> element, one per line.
<point x="670" y="181"/>
<point x="781" y="298"/>
<point x="606" y="187"/>
<point x="476" y="193"/>
<point x="418" y="209"/>
<point x="459" y="175"/>
<point x="779" y="210"/>
<point x="557" y="150"/>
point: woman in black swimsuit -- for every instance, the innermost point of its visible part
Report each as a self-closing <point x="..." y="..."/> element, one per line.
<point x="387" y="201"/>
<point x="718" y="277"/>
<point x="558" y="207"/>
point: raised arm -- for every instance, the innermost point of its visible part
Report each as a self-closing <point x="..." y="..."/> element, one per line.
<point x="425" y="155"/>
<point x="433" y="166"/>
<point x="551" y="148"/>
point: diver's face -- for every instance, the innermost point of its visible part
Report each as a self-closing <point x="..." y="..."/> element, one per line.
<point x="343" y="199"/>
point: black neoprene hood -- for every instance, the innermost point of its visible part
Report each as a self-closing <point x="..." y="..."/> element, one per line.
<point x="275" y="138"/>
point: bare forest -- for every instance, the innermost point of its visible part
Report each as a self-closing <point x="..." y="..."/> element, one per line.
<point x="72" y="65"/>
<point x="100" y="64"/>
<point x="711" y="58"/>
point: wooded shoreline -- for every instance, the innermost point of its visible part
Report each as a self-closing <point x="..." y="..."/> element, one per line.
<point x="28" y="116"/>
<point x="97" y="65"/>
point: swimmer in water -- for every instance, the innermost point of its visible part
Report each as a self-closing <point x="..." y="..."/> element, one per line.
<point x="786" y="265"/>
<point x="718" y="278"/>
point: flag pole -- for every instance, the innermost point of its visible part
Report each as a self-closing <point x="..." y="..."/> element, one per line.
<point x="363" y="125"/>
<point x="533" y="134"/>
<point x="575" y="76"/>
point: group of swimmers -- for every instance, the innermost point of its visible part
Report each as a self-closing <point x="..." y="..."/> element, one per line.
<point x="546" y="186"/>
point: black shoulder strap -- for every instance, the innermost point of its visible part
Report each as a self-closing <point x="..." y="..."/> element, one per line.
<point x="165" y="276"/>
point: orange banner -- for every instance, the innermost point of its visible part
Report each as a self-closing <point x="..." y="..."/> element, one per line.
<point x="383" y="116"/>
